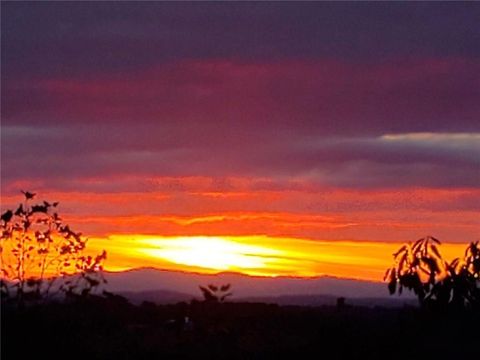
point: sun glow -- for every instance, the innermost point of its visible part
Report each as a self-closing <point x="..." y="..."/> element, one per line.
<point x="216" y="253"/>
<point x="253" y="255"/>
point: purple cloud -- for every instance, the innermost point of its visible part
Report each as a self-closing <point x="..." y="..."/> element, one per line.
<point x="333" y="93"/>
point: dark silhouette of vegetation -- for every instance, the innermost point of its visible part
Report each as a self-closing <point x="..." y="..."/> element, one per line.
<point x="41" y="255"/>
<point x="110" y="328"/>
<point x="341" y="304"/>
<point x="437" y="283"/>
<point x="213" y="293"/>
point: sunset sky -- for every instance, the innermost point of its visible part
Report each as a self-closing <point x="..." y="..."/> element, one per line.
<point x="267" y="138"/>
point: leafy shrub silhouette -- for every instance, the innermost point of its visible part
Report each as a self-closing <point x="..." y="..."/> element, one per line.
<point x="38" y="251"/>
<point x="213" y="293"/>
<point x="420" y="267"/>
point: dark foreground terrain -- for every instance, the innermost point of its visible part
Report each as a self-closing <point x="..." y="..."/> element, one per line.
<point x="114" y="329"/>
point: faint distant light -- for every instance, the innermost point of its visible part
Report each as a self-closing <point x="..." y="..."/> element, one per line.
<point x="432" y="137"/>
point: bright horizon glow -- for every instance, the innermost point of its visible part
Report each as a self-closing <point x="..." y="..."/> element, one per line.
<point x="216" y="253"/>
<point x="255" y="255"/>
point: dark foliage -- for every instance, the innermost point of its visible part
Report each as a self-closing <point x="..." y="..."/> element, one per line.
<point x="111" y="328"/>
<point x="213" y="293"/>
<point x="41" y="255"/>
<point x="437" y="283"/>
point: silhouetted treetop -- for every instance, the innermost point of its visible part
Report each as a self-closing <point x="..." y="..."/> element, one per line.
<point x="40" y="254"/>
<point x="212" y="293"/>
<point x="420" y="267"/>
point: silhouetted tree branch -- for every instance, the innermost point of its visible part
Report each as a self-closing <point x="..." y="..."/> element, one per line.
<point x="40" y="253"/>
<point x="420" y="267"/>
<point x="212" y="293"/>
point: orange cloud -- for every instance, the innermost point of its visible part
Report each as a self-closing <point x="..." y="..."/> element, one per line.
<point x="349" y="233"/>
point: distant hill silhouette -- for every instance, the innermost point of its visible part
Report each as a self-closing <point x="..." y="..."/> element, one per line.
<point x="164" y="297"/>
<point x="161" y="297"/>
<point x="163" y="287"/>
<point x="330" y="300"/>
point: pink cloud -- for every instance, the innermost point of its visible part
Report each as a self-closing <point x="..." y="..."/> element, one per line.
<point x="315" y="95"/>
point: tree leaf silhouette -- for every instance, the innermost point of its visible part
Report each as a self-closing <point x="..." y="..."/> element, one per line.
<point x="422" y="269"/>
<point x="7" y="216"/>
<point x="28" y="195"/>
